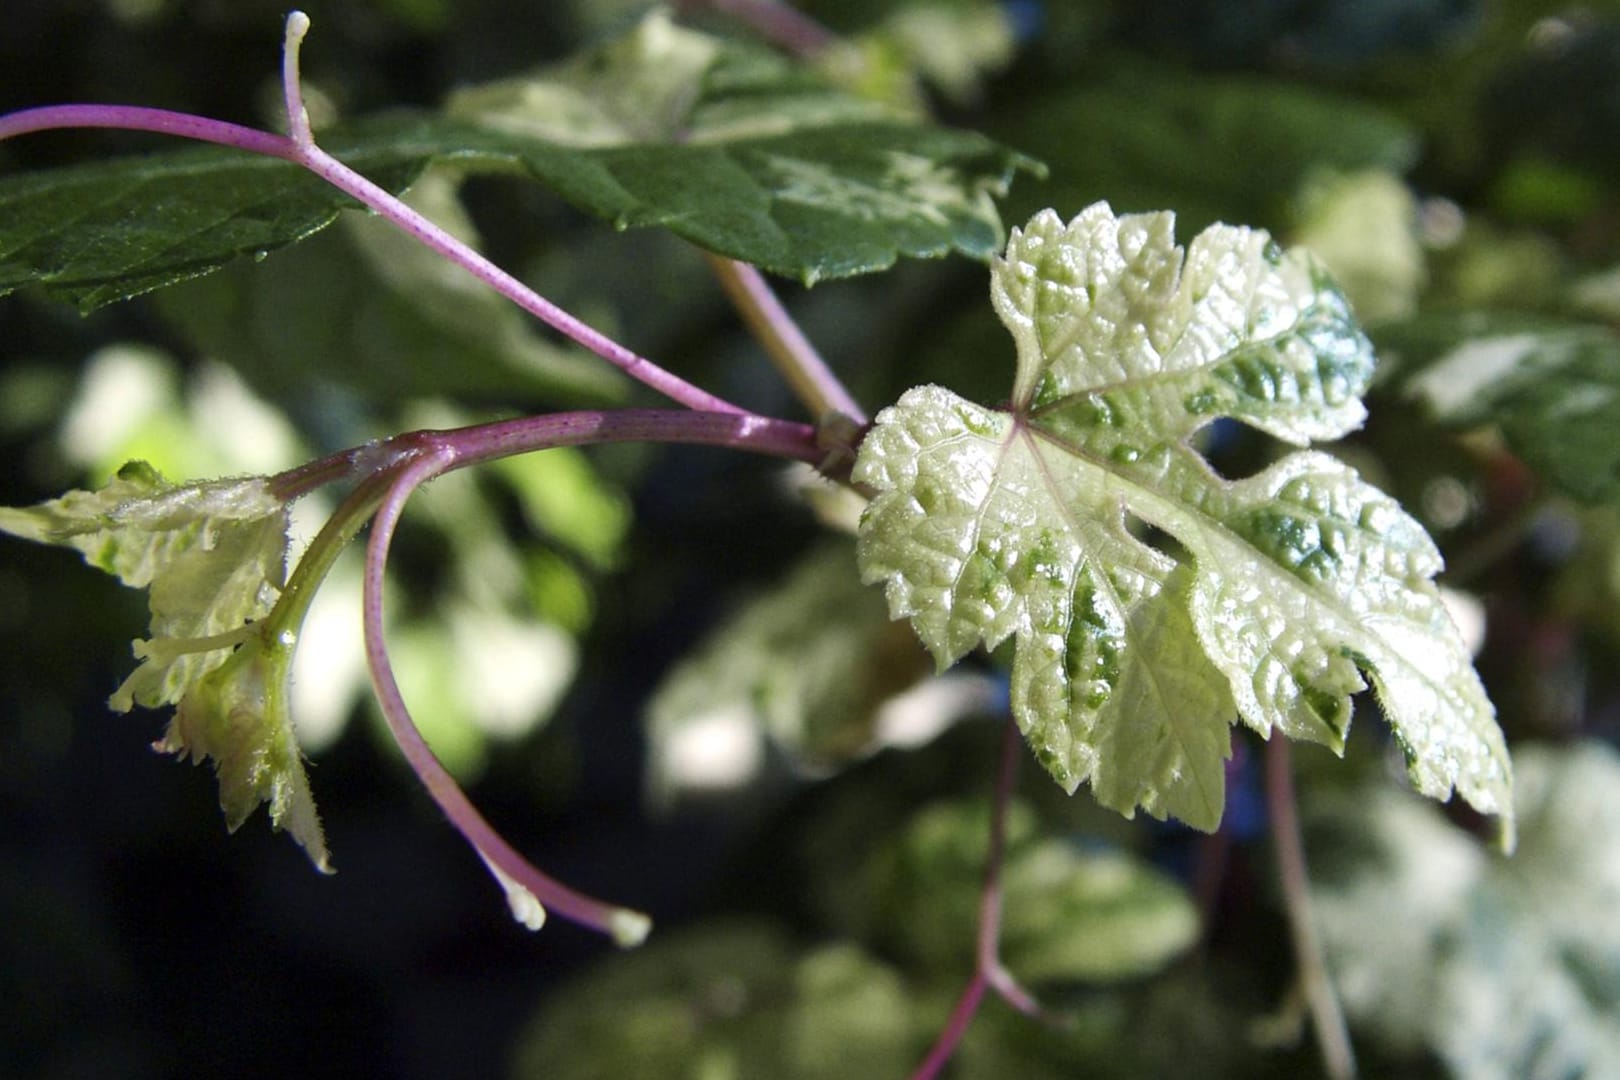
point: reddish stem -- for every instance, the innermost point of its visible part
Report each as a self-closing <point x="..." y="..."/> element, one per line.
<point x="138" y="118"/>
<point x="415" y="458"/>
<point x="478" y="443"/>
<point x="988" y="973"/>
<point x="543" y="892"/>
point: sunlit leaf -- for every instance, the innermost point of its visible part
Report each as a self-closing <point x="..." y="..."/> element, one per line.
<point x="1281" y="590"/>
<point x="212" y="558"/>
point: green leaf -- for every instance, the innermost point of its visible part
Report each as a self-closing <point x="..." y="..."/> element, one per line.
<point x="1552" y="386"/>
<point x="95" y="234"/>
<point x="366" y="307"/>
<point x="732" y="148"/>
<point x="1285" y="587"/>
<point x="741" y="152"/>
<point x="212" y="557"/>
<point x="1068" y="914"/>
<point x="236" y="716"/>
<point x="1502" y="967"/>
<point x="1234" y="148"/>
<point x="733" y="999"/>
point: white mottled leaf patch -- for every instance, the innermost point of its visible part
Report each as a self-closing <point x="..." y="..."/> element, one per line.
<point x="1292" y="589"/>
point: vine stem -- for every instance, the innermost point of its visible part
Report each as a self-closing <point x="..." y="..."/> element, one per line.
<point x="529" y="892"/>
<point x="1332" y="1034"/>
<point x="299" y="148"/>
<point x="988" y="972"/>
<point x="406" y="462"/>
<point x="389" y="471"/>
<point x="798" y="362"/>
<point x="480" y="443"/>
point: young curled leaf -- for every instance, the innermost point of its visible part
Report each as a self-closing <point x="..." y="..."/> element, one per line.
<point x="1291" y="587"/>
<point x="212" y="557"/>
<point x="236" y="716"/>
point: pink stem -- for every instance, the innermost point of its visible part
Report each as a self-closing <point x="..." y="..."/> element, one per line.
<point x="988" y="973"/>
<point x="961" y="1018"/>
<point x="417" y="457"/>
<point x="137" y="118"/>
<point x="432" y="236"/>
<point x="503" y="438"/>
<point x="551" y="894"/>
<point x="732" y="430"/>
<point x="797" y="359"/>
<point x="351" y="183"/>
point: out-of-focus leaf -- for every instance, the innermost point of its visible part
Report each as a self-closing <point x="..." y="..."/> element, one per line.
<point x="732" y="148"/>
<point x="1505" y="968"/>
<point x="135" y="403"/>
<point x="1491" y="267"/>
<point x="1587" y="587"/>
<point x="1537" y="191"/>
<point x="1130" y="665"/>
<point x="1069" y="914"/>
<point x="807" y="664"/>
<point x="950" y="46"/>
<point x="1598" y="295"/>
<point x="564" y="498"/>
<point x="1325" y="33"/>
<point x="367" y="308"/>
<point x="1363" y="226"/>
<point x="729" y="1001"/>
<point x="1552" y="386"/>
<point x="1216" y="148"/>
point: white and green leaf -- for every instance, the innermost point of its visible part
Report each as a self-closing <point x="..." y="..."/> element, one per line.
<point x="1499" y="967"/>
<point x="1289" y="589"/>
<point x="794" y="664"/>
<point x="1550" y="385"/>
<point x="212" y="558"/>
<point x="1069" y="914"/>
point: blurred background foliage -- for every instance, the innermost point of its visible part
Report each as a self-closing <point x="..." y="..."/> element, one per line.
<point x="654" y="667"/>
